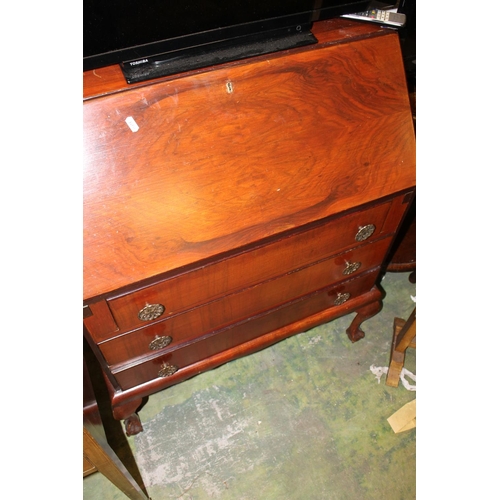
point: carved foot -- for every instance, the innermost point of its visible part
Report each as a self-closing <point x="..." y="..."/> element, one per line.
<point x="354" y="331"/>
<point x="133" y="425"/>
<point x="128" y="413"/>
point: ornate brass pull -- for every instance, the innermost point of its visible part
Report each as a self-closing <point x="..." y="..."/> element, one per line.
<point x="364" y="232"/>
<point x="341" y="298"/>
<point x="351" y="267"/>
<point x="151" y="311"/>
<point x="167" y="369"/>
<point x="160" y="343"/>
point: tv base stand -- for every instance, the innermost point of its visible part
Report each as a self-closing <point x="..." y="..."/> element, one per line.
<point x="216" y="53"/>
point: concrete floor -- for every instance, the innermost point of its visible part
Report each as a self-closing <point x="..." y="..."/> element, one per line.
<point x="305" y="419"/>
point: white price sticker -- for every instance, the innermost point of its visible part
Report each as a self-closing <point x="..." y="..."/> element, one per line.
<point x="132" y="124"/>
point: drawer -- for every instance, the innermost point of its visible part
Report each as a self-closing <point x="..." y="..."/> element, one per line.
<point x="236" y="335"/>
<point x="249" y="268"/>
<point x="244" y="304"/>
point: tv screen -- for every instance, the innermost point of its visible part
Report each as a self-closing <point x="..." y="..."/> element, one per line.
<point x="138" y="33"/>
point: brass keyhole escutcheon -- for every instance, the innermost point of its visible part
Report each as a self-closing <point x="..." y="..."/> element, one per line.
<point x="364" y="232"/>
<point x="166" y="370"/>
<point x="351" y="267"/>
<point x="341" y="298"/>
<point x="160" y="343"/>
<point x="151" y="311"/>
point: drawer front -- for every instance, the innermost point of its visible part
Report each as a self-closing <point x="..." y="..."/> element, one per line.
<point x="210" y="345"/>
<point x="216" y="280"/>
<point x="244" y="304"/>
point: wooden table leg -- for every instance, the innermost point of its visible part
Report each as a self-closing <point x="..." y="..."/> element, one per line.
<point x="404" y="336"/>
<point x="104" y="459"/>
<point x="98" y="455"/>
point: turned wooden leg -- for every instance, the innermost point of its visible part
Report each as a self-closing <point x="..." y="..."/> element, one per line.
<point x="128" y="413"/>
<point x="354" y="331"/>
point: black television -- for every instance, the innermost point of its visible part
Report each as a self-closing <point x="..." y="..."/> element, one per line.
<point x="152" y="38"/>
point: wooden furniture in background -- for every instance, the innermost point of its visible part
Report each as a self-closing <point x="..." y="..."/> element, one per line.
<point x="98" y="456"/>
<point x="404" y="336"/>
<point x="228" y="208"/>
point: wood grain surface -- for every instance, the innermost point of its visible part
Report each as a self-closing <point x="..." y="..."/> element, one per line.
<point x="225" y="158"/>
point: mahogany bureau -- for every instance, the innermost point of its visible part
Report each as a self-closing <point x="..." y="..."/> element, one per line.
<point x="228" y="208"/>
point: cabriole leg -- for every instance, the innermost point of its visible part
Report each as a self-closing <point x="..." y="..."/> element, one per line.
<point x="354" y="331"/>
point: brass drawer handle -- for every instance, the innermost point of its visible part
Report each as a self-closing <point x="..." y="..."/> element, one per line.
<point x="151" y="311"/>
<point x="351" y="267"/>
<point x="341" y="298"/>
<point x="167" y="369"/>
<point x="160" y="343"/>
<point x="364" y="232"/>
